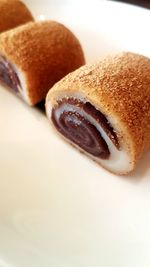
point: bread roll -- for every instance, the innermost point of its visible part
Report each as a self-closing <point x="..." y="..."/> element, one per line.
<point x="12" y="14"/>
<point x="35" y="56"/>
<point x="104" y="110"/>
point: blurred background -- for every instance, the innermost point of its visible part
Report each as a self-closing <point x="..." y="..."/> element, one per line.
<point x="143" y="3"/>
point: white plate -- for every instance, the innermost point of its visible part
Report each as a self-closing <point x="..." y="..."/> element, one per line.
<point x="57" y="208"/>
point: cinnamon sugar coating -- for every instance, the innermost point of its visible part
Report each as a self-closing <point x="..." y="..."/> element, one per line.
<point x="43" y="52"/>
<point x="118" y="86"/>
<point x="12" y="14"/>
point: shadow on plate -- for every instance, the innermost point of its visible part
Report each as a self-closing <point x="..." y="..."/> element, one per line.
<point x="41" y="106"/>
<point x="141" y="171"/>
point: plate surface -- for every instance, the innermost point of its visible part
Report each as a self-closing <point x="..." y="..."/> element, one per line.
<point x="58" y="208"/>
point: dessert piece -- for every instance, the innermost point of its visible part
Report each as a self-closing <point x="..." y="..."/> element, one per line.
<point x="104" y="110"/>
<point x="13" y="13"/>
<point x="36" y="55"/>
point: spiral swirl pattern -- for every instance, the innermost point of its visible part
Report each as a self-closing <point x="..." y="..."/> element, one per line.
<point x="71" y="117"/>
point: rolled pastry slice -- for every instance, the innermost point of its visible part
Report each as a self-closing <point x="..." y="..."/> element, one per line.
<point x="104" y="110"/>
<point x="36" y="55"/>
<point x="12" y="14"/>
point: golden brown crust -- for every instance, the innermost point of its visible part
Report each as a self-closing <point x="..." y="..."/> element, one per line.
<point x="118" y="86"/>
<point x="12" y="14"/>
<point x="46" y="52"/>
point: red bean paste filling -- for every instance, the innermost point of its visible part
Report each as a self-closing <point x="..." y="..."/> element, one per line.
<point x="8" y="76"/>
<point x="72" y="124"/>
